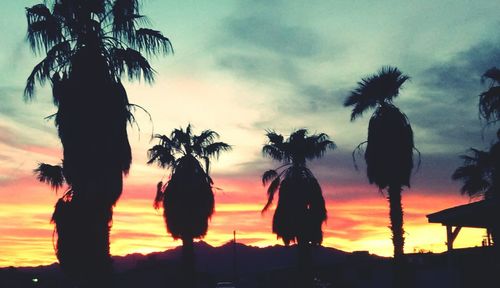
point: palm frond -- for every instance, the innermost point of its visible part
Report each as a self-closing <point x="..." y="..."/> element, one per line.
<point x="159" y="196"/>
<point x="185" y="143"/>
<point x="493" y="75"/>
<point x="478" y="157"/>
<point x="50" y="174"/>
<point x="268" y="176"/>
<point x="274" y="137"/>
<point x="132" y="62"/>
<point x="298" y="135"/>
<point x="182" y="140"/>
<point x="163" y="139"/>
<point x="125" y="16"/>
<point x="375" y="89"/>
<point x="56" y="57"/>
<point x="206" y="137"/>
<point x="44" y="28"/>
<point x="133" y="108"/>
<point x="317" y="145"/>
<point x="161" y="155"/>
<point x="273" y="187"/>
<point x="152" y="42"/>
<point x="474" y="181"/>
<point x="37" y="12"/>
<point x="37" y="74"/>
<point x="273" y="152"/>
<point x="476" y="173"/>
<point x="110" y="26"/>
<point x="40" y="74"/>
<point x="489" y="104"/>
<point x="358" y="150"/>
<point x="214" y="149"/>
<point x="207" y="164"/>
<point x="322" y="146"/>
<point x="189" y="131"/>
<point x="199" y="142"/>
<point x="360" y="104"/>
<point x="43" y="35"/>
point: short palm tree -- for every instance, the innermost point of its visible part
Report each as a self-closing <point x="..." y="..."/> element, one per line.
<point x="301" y="210"/>
<point x="489" y="100"/>
<point x="187" y="198"/>
<point x="489" y="110"/>
<point x="475" y="174"/>
<point x="389" y="150"/>
<point x="494" y="193"/>
<point x="88" y="46"/>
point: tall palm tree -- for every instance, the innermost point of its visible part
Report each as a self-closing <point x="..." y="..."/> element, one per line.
<point x="187" y="198"/>
<point x="301" y="210"/>
<point x="389" y="150"/>
<point x="88" y="46"/>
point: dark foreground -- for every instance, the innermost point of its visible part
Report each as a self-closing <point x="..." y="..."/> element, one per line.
<point x="274" y="267"/>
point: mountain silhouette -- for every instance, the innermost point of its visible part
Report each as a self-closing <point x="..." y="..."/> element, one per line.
<point x="274" y="266"/>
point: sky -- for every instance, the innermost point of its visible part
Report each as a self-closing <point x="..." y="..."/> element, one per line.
<point x="242" y="67"/>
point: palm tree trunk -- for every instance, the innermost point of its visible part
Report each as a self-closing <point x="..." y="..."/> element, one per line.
<point x="304" y="264"/>
<point x="396" y="217"/>
<point x="188" y="263"/>
<point x="83" y="242"/>
<point x="96" y="230"/>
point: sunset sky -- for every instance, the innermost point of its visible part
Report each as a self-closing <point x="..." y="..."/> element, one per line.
<point x="241" y="67"/>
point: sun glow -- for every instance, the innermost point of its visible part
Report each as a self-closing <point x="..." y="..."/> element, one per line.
<point x="137" y="228"/>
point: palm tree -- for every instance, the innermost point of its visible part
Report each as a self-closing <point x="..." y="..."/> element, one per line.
<point x="301" y="210"/>
<point x="187" y="198"/>
<point x="489" y="100"/>
<point x="481" y="172"/>
<point x="489" y="110"/>
<point x="389" y="150"/>
<point x="88" y="46"/>
<point x="475" y="174"/>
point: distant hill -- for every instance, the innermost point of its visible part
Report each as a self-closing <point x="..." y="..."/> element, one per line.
<point x="249" y="259"/>
<point x="274" y="267"/>
<point x="214" y="261"/>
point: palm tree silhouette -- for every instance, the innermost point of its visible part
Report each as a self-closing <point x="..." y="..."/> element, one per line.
<point x="494" y="195"/>
<point x="389" y="150"/>
<point x="88" y="46"/>
<point x="187" y="198"/>
<point x="489" y="110"/>
<point x="489" y="100"/>
<point x="475" y="174"/>
<point x="301" y="210"/>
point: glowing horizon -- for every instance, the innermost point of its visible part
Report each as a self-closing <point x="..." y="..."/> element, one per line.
<point x="138" y="228"/>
